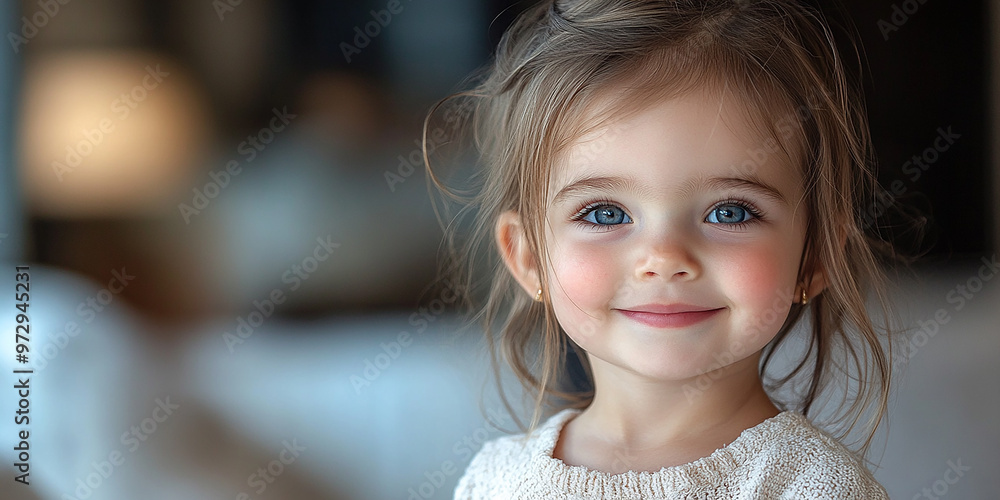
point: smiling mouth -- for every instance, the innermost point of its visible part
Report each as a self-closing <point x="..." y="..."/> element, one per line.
<point x="673" y="319"/>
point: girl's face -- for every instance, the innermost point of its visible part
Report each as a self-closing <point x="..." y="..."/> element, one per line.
<point x="674" y="239"/>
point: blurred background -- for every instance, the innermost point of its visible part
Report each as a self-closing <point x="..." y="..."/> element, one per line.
<point x="232" y="250"/>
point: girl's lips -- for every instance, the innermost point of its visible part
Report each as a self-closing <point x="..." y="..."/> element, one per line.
<point x="669" y="320"/>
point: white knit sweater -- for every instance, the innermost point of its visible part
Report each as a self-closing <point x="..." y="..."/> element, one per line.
<point x="782" y="457"/>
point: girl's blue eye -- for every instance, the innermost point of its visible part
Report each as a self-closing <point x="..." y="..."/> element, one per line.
<point x="606" y="215"/>
<point x="729" y="214"/>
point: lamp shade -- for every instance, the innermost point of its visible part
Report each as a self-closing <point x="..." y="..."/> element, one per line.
<point x="108" y="133"/>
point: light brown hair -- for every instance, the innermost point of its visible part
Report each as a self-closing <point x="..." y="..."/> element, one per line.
<point x="779" y="59"/>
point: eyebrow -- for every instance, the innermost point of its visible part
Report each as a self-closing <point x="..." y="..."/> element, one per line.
<point x="594" y="185"/>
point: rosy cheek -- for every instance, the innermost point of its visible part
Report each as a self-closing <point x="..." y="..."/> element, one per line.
<point x="755" y="276"/>
<point x="583" y="273"/>
<point x="583" y="283"/>
<point x="761" y="285"/>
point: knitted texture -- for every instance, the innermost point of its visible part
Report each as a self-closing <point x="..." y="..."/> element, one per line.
<point x="782" y="457"/>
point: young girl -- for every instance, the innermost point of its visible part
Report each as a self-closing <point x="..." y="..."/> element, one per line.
<point x="672" y="186"/>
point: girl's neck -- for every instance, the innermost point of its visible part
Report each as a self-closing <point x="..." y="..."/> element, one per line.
<point x="631" y="411"/>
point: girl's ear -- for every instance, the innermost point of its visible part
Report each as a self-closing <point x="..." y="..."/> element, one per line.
<point x="818" y="281"/>
<point x="515" y="251"/>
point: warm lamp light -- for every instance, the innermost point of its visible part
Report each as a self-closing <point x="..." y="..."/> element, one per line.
<point x="108" y="133"/>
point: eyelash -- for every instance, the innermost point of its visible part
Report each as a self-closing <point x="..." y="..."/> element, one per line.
<point x="758" y="215"/>
<point x="590" y="207"/>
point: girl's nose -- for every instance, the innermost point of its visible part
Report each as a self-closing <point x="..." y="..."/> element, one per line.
<point x="670" y="258"/>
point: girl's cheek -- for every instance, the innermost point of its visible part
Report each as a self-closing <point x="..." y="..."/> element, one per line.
<point x="584" y="283"/>
<point x="761" y="282"/>
<point x="755" y="276"/>
<point x="584" y="273"/>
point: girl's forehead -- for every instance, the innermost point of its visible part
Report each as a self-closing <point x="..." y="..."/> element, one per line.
<point x="697" y="130"/>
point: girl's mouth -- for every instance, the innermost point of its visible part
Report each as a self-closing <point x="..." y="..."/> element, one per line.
<point x="669" y="316"/>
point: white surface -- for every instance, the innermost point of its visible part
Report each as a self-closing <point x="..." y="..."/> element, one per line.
<point x="293" y="381"/>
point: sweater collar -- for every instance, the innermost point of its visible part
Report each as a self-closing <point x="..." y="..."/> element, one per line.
<point x="579" y="480"/>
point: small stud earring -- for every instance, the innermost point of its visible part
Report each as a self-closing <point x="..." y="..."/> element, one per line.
<point x="538" y="295"/>
<point x="805" y="298"/>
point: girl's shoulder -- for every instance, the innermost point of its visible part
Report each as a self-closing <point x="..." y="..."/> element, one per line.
<point x="806" y="461"/>
<point x="506" y="460"/>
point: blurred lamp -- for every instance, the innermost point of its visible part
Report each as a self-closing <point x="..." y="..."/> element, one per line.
<point x="108" y="133"/>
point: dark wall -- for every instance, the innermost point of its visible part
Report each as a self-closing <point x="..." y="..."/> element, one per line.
<point x="928" y="72"/>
